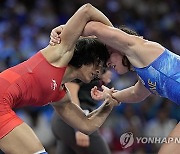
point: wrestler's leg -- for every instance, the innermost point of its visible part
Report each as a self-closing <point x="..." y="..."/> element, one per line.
<point x="21" y="139"/>
<point x="172" y="147"/>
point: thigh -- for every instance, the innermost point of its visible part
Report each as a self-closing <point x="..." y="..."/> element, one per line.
<point x="98" y="144"/>
<point x="172" y="147"/>
<point x="62" y="131"/>
<point x="66" y="135"/>
<point x="21" y="139"/>
<point x="62" y="148"/>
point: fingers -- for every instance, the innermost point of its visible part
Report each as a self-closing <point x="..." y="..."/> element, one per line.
<point x="82" y="139"/>
<point x="95" y="87"/>
<point x="104" y="87"/>
<point x="110" y="100"/>
<point x="83" y="143"/>
<point x="55" y="35"/>
<point x="94" y="91"/>
<point x="53" y="41"/>
<point x="96" y="94"/>
<point x="54" y="38"/>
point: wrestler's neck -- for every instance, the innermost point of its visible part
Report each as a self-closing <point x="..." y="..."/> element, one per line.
<point x="70" y="74"/>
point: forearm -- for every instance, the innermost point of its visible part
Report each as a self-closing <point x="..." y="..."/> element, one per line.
<point x="128" y="96"/>
<point x="82" y="16"/>
<point x="110" y="36"/>
<point x="75" y="117"/>
<point x="96" y="15"/>
<point x="75" y="25"/>
<point x="98" y="116"/>
<point x="99" y="30"/>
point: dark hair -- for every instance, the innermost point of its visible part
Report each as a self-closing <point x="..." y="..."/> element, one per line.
<point x="125" y="60"/>
<point x="89" y="51"/>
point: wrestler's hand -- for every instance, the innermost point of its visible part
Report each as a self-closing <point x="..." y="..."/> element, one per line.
<point x="82" y="139"/>
<point x="96" y="94"/>
<point x="101" y="95"/>
<point x="106" y="91"/>
<point x="55" y="35"/>
<point x="111" y="101"/>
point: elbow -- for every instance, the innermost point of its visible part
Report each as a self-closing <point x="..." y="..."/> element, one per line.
<point x="138" y="97"/>
<point x="91" y="29"/>
<point x="95" y="26"/>
<point x="89" y="131"/>
<point x="87" y="10"/>
<point x="87" y="6"/>
<point x="86" y="131"/>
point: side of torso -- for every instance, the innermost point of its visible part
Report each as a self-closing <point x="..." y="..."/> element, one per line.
<point x="162" y="76"/>
<point x="37" y="82"/>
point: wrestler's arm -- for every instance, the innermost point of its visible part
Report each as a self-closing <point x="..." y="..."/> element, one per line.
<point x="111" y="36"/>
<point x="131" y="45"/>
<point x="80" y="138"/>
<point x="73" y="30"/>
<point x="75" y="117"/>
<point x="75" y="25"/>
<point x="73" y="89"/>
<point x="133" y="94"/>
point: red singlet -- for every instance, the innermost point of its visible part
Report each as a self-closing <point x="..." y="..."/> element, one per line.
<point x="34" y="82"/>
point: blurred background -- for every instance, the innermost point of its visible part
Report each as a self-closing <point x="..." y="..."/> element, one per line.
<point x="25" y="26"/>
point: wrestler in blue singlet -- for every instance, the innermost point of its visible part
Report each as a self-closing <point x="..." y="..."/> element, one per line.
<point x="162" y="76"/>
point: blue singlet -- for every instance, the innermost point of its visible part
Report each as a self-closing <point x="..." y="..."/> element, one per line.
<point x="162" y="76"/>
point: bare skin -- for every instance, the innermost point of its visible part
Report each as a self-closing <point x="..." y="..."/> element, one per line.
<point x="22" y="139"/>
<point x="86" y="124"/>
<point x="82" y="139"/>
<point x="140" y="53"/>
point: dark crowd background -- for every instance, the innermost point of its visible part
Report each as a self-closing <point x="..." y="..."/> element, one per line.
<point x="25" y="26"/>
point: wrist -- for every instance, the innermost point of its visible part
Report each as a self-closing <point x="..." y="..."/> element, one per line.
<point x="114" y="97"/>
<point x="108" y="105"/>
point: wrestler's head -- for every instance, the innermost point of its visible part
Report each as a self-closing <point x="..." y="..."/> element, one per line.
<point x="90" y="58"/>
<point x="117" y="61"/>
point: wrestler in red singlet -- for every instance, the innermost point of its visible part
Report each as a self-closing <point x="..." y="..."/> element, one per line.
<point x="34" y="82"/>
